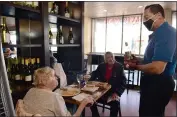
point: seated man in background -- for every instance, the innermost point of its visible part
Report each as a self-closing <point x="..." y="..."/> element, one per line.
<point x="41" y="100"/>
<point x="112" y="72"/>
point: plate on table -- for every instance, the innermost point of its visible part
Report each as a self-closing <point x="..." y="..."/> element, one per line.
<point x="102" y="85"/>
<point x="69" y="91"/>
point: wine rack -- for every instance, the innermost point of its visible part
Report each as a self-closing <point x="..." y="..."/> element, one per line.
<point x="67" y="51"/>
<point x="32" y="35"/>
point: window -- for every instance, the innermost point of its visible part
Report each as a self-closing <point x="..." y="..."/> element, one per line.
<point x="174" y="19"/>
<point x="99" y="35"/>
<point x="114" y="34"/>
<point x="131" y="33"/>
<point x="135" y="35"/>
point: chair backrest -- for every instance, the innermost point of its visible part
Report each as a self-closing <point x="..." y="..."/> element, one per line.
<point x="20" y="112"/>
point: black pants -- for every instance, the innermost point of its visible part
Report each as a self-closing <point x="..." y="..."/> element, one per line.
<point x="155" y="93"/>
<point x="113" y="108"/>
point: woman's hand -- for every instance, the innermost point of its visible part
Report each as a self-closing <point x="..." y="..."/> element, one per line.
<point x="88" y="101"/>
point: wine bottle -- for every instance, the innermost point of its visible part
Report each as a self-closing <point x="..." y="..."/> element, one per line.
<point x="9" y="68"/>
<point x="60" y="38"/>
<point x="22" y="69"/>
<point x="5" y="32"/>
<point x="50" y="36"/>
<point x="13" y="70"/>
<point x="34" y="64"/>
<point x="17" y="71"/>
<point x="28" y="77"/>
<point x="38" y="63"/>
<point x="70" y="36"/>
<point x="54" y="9"/>
<point x="30" y="63"/>
<point x="67" y="14"/>
<point x="29" y="4"/>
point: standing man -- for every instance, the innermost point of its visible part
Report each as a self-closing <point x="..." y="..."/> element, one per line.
<point x="157" y="84"/>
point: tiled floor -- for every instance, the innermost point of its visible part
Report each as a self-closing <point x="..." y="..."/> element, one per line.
<point x="130" y="105"/>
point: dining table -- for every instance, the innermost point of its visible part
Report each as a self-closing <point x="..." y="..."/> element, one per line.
<point x="95" y="89"/>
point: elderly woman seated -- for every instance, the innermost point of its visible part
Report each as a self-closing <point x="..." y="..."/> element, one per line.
<point x="41" y="100"/>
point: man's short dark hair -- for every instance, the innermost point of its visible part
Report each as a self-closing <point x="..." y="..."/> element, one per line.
<point x="155" y="8"/>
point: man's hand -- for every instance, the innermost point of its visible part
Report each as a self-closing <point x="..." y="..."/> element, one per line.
<point x="131" y="65"/>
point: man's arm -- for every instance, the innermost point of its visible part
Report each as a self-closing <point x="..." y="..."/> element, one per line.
<point x="164" y="50"/>
<point x="121" y="87"/>
<point x="156" y="67"/>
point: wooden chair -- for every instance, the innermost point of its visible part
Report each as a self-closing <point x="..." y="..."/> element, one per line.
<point x="105" y="105"/>
<point x="20" y="112"/>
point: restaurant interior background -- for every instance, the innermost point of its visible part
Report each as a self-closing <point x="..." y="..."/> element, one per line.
<point x="103" y="26"/>
<point x="108" y="26"/>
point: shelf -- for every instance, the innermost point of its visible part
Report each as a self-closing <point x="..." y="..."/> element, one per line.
<point x="53" y="18"/>
<point x="20" y="7"/>
<point x="22" y="45"/>
<point x="66" y="45"/>
<point x="14" y="10"/>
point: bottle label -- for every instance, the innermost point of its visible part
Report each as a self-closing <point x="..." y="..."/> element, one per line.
<point x="22" y="77"/>
<point x="56" y="9"/>
<point x="50" y="41"/>
<point x="72" y="41"/>
<point x="62" y="40"/>
<point x="17" y="77"/>
<point x="67" y="15"/>
<point x="28" y="78"/>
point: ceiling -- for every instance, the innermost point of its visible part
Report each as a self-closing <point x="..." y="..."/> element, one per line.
<point x="96" y="9"/>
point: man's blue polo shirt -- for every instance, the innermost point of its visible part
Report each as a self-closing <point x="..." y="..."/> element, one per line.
<point x="162" y="47"/>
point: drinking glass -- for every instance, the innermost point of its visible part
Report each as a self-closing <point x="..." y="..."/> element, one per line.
<point x="86" y="78"/>
<point x="79" y="79"/>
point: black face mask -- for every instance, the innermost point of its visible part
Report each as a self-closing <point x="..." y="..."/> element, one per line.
<point x="148" y="24"/>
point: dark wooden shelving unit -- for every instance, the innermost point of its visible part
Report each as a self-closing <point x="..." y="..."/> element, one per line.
<point x="32" y="33"/>
<point x="19" y="6"/>
<point x="53" y="18"/>
<point x="18" y="11"/>
<point x="70" y="52"/>
<point x="66" y="45"/>
<point x="22" y="45"/>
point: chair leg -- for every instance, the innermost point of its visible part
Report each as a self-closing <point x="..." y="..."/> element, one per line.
<point x="103" y="108"/>
<point x="128" y="81"/>
<point x="120" y="114"/>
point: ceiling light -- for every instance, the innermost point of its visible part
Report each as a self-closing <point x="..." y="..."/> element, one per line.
<point x="105" y="10"/>
<point x="140" y="6"/>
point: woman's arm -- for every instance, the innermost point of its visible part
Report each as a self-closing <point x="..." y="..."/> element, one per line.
<point x="61" y="109"/>
<point x="80" y="109"/>
<point x="87" y="100"/>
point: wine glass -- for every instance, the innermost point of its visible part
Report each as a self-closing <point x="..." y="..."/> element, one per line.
<point x="86" y="78"/>
<point x="79" y="79"/>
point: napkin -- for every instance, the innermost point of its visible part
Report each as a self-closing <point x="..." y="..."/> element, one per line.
<point x="80" y="97"/>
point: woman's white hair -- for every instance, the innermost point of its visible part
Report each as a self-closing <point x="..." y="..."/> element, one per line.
<point x="42" y="76"/>
<point x="108" y="53"/>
